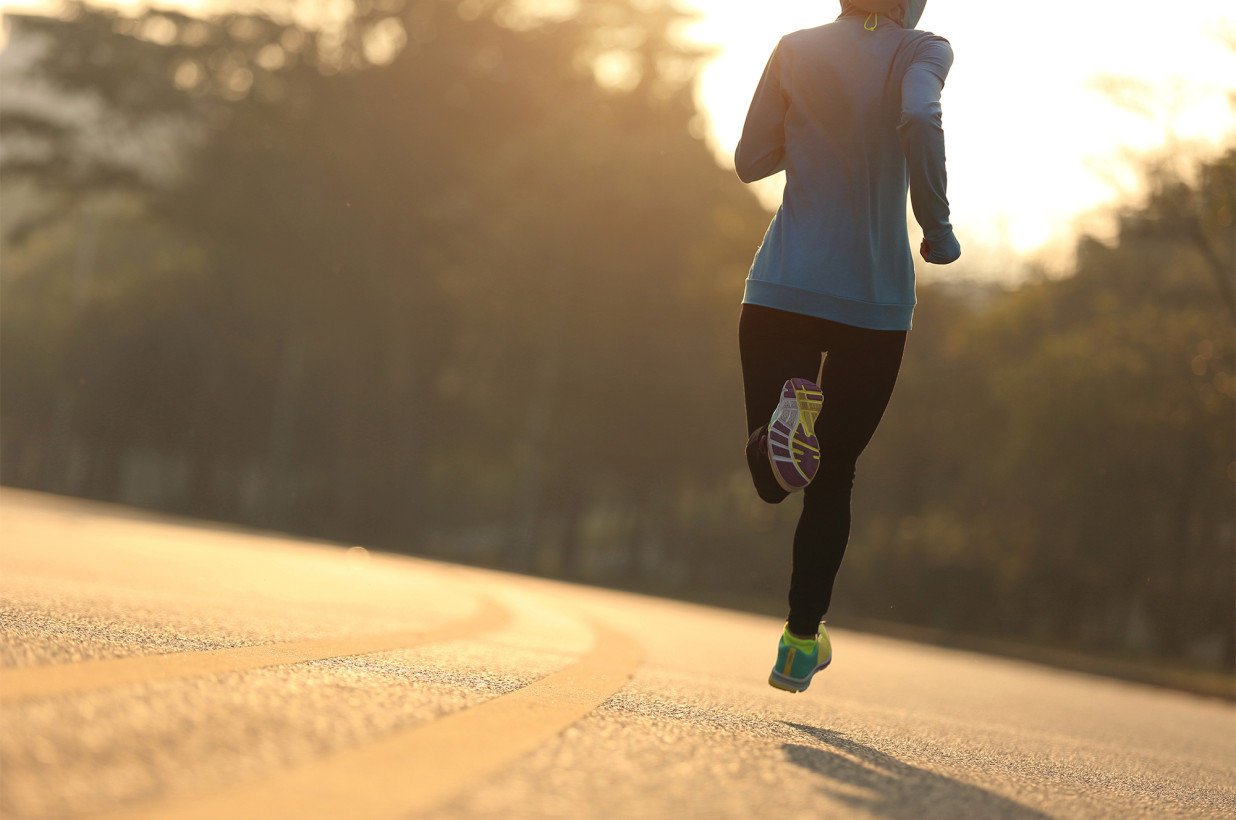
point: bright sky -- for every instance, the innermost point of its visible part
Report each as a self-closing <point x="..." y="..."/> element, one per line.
<point x="1031" y="141"/>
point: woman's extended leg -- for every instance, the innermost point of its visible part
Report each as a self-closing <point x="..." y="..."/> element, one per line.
<point x="857" y="381"/>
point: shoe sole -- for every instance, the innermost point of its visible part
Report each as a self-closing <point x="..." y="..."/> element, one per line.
<point x="793" y="449"/>
<point x="795" y="685"/>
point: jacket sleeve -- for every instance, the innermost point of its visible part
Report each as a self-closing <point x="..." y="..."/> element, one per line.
<point x="922" y="141"/>
<point x="761" y="151"/>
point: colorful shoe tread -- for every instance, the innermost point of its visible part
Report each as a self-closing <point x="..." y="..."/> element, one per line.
<point x="793" y="449"/>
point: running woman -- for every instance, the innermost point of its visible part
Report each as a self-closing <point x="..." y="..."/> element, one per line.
<point x="851" y="112"/>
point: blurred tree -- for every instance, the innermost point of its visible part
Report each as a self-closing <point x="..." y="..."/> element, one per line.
<point x="424" y="234"/>
<point x="1059" y="464"/>
<point x="456" y="277"/>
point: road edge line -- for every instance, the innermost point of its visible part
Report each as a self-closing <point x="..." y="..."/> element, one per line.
<point x="30" y="682"/>
<point x="422" y="767"/>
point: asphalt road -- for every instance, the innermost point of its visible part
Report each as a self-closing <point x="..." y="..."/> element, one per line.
<point x="158" y="668"/>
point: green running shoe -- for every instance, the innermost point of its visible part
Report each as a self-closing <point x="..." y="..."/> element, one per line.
<point x="799" y="659"/>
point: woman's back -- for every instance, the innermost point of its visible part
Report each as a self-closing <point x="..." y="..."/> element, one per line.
<point x="842" y="108"/>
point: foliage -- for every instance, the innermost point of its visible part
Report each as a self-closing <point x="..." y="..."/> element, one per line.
<point x="1066" y="454"/>
<point x="416" y="256"/>
<point x="453" y="279"/>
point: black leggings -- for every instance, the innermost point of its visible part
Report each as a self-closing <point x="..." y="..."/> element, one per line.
<point x="857" y="379"/>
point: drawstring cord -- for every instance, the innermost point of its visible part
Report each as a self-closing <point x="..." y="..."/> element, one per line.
<point x="873" y="19"/>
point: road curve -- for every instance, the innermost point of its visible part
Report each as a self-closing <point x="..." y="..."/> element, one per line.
<point x="153" y="667"/>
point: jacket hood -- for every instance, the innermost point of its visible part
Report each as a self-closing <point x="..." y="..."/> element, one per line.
<point x="911" y="10"/>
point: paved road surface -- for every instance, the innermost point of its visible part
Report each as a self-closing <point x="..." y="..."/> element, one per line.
<point x="163" y="669"/>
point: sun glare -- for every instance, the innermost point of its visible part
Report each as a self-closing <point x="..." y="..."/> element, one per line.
<point x="1037" y="132"/>
<point x="1045" y="109"/>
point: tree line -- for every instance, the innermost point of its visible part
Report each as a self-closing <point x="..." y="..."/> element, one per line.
<point x="450" y="279"/>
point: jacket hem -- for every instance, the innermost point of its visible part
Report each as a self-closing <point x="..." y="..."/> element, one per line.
<point x="871" y="315"/>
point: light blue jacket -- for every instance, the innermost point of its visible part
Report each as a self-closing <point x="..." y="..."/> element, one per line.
<point x="851" y="111"/>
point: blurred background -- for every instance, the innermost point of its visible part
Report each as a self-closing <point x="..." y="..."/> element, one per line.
<point x="461" y="278"/>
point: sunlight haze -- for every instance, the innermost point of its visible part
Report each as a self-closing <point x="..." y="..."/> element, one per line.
<point x="1033" y="141"/>
<point x="1037" y="145"/>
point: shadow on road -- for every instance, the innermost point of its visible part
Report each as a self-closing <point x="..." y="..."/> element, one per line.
<point x="874" y="782"/>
